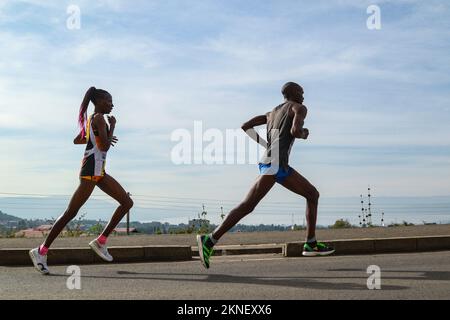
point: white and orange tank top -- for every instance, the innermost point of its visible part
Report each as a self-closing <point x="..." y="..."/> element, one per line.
<point x="94" y="160"/>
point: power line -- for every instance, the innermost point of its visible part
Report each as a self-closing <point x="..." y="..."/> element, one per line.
<point x="150" y="197"/>
<point x="10" y="205"/>
<point x="175" y="204"/>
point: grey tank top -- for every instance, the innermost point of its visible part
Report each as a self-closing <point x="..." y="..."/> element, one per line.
<point x="279" y="137"/>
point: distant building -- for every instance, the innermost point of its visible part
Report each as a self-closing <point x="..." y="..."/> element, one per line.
<point x="37" y="232"/>
<point x="9" y="224"/>
<point x="45" y="227"/>
<point x="124" y="230"/>
<point x="198" y="223"/>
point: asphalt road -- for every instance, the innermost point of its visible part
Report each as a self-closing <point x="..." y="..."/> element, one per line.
<point x="266" y="277"/>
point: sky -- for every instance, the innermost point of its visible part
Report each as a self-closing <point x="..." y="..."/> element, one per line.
<point x="378" y="100"/>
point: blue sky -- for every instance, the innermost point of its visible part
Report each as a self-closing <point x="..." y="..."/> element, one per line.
<point x="379" y="100"/>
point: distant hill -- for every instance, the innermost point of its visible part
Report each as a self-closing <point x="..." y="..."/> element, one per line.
<point x="7" y="217"/>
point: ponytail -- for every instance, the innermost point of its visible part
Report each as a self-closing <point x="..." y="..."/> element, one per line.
<point x="82" y="116"/>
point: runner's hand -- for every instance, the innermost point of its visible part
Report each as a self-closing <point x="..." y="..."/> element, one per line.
<point x="112" y="121"/>
<point x="114" y="140"/>
<point x="305" y="133"/>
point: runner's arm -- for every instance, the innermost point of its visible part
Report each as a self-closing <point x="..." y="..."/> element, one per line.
<point x="297" y="129"/>
<point x="78" y="139"/>
<point x="104" y="138"/>
<point x="249" y="128"/>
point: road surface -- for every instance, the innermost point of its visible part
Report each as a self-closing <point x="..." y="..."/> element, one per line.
<point x="267" y="277"/>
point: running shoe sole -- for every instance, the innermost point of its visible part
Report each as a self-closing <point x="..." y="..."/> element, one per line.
<point x="98" y="252"/>
<point x="37" y="265"/>
<point x="200" y="250"/>
<point x="315" y="253"/>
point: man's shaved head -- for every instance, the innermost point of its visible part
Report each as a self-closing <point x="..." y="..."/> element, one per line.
<point x="293" y="91"/>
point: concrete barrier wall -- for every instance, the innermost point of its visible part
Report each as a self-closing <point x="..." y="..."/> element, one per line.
<point x="20" y="257"/>
<point x="373" y="246"/>
<point x="66" y="256"/>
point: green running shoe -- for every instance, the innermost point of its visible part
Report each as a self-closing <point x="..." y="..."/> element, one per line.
<point x="205" y="249"/>
<point x="319" y="249"/>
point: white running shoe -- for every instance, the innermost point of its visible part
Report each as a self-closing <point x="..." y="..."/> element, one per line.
<point x="101" y="251"/>
<point x="39" y="261"/>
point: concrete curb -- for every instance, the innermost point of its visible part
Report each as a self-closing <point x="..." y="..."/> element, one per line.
<point x="67" y="256"/>
<point x="375" y="246"/>
<point x="20" y="257"/>
<point x="244" y="249"/>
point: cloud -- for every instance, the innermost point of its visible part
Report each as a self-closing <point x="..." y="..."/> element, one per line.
<point x="169" y="64"/>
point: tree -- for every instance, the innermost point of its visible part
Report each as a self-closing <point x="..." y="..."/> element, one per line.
<point x="96" y="229"/>
<point x="21" y="225"/>
<point x="222" y="215"/>
<point x="74" y="228"/>
<point x="341" y="224"/>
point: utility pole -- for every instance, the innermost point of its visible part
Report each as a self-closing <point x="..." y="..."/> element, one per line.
<point x="293" y="227"/>
<point x="370" y="212"/>
<point x="128" y="218"/>
<point x="362" y="212"/>
<point x="204" y="212"/>
<point x="222" y="215"/>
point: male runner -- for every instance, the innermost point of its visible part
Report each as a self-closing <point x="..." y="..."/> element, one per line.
<point x="284" y="125"/>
